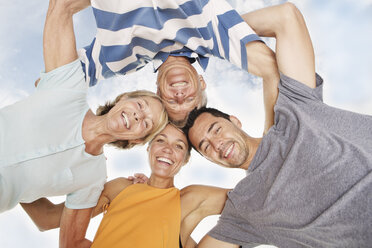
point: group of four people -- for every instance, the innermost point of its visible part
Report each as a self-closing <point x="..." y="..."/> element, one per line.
<point x="308" y="178"/>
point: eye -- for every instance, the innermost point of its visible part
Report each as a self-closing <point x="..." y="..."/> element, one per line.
<point x="171" y="101"/>
<point x="140" y="105"/>
<point x="147" y="124"/>
<point x="159" y="140"/>
<point x="206" y="148"/>
<point x="178" y="146"/>
<point x="218" y="130"/>
<point x="189" y="99"/>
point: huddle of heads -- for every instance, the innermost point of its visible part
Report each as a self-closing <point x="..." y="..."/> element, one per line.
<point x="180" y="90"/>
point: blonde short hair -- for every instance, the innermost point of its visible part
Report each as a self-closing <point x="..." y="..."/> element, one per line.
<point x="163" y="119"/>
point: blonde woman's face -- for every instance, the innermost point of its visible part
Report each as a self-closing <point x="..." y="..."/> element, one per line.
<point x="167" y="152"/>
<point x="133" y="118"/>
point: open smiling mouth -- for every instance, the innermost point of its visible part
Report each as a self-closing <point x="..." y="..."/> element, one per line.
<point x="179" y="84"/>
<point x="165" y="160"/>
<point x="126" y="120"/>
<point x="229" y="150"/>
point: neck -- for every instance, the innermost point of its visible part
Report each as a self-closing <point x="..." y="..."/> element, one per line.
<point x="252" y="146"/>
<point x="94" y="133"/>
<point x="161" y="183"/>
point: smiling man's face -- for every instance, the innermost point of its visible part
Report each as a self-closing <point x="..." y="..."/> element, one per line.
<point x="180" y="86"/>
<point x="219" y="140"/>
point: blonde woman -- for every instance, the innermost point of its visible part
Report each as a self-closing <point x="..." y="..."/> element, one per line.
<point x="154" y="214"/>
<point x="51" y="143"/>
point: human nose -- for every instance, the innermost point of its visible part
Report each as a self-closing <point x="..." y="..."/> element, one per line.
<point x="216" y="144"/>
<point x="167" y="149"/>
<point x="179" y="96"/>
<point x="138" y="115"/>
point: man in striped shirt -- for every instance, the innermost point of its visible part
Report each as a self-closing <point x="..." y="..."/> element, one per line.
<point x="173" y="34"/>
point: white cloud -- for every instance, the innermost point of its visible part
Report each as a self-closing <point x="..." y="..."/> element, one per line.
<point x="342" y="46"/>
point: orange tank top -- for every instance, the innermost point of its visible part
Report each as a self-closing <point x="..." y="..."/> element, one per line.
<point x="141" y="216"/>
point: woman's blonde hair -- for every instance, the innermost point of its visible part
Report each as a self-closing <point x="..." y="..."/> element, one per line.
<point x="163" y="119"/>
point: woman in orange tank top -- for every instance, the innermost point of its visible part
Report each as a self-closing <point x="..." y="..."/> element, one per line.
<point x="154" y="214"/>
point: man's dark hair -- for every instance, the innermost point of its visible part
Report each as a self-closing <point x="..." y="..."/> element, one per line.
<point x="194" y="114"/>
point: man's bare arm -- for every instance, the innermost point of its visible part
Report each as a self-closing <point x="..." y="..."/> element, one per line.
<point x="198" y="202"/>
<point x="294" y="49"/>
<point x="262" y="63"/>
<point x="209" y="242"/>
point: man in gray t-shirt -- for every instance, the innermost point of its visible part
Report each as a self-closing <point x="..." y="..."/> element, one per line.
<point x="309" y="179"/>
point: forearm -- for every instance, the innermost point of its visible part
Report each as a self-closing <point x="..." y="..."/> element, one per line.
<point x="74" y="224"/>
<point x="294" y="50"/>
<point x="262" y="63"/>
<point x="44" y="213"/>
<point x="59" y="45"/>
<point x="190" y="243"/>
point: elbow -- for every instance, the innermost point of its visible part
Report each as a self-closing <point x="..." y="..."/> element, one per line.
<point x="46" y="226"/>
<point x="290" y="16"/>
<point x="72" y="6"/>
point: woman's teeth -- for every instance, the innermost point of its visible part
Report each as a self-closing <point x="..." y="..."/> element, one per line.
<point x="126" y="120"/>
<point x="165" y="160"/>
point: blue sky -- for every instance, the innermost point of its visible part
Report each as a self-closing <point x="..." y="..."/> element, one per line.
<point x="342" y="38"/>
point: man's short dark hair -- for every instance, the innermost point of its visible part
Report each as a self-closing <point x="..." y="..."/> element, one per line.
<point x="195" y="114"/>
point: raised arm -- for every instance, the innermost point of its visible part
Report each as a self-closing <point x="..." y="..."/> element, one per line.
<point x="294" y="50"/>
<point x="198" y="202"/>
<point x="262" y="63"/>
<point x="59" y="43"/>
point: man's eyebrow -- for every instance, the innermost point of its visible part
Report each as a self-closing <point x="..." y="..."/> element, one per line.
<point x="201" y="143"/>
<point x="209" y="129"/>
<point x="211" y="126"/>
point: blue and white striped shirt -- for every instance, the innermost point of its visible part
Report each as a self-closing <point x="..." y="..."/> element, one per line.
<point x="132" y="33"/>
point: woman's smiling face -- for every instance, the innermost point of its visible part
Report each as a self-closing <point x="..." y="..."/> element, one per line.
<point x="168" y="152"/>
<point x="133" y="118"/>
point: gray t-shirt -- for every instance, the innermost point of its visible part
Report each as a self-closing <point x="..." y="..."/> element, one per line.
<point x="310" y="182"/>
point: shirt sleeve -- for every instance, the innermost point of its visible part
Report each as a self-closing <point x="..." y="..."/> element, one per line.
<point x="86" y="197"/>
<point x="69" y="76"/>
<point x="231" y="34"/>
<point x="297" y="91"/>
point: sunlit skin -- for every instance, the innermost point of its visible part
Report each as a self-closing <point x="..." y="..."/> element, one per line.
<point x="222" y="141"/>
<point x="133" y="118"/>
<point x="130" y="119"/>
<point x="180" y="86"/>
<point x="167" y="154"/>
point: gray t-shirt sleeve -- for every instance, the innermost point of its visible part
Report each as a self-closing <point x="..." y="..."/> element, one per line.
<point x="300" y="92"/>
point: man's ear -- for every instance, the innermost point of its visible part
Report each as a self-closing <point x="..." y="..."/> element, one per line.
<point x="236" y="121"/>
<point x="203" y="85"/>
